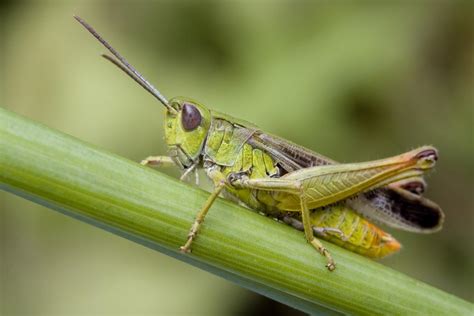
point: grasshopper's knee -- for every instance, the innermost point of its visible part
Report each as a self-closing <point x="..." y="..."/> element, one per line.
<point x="237" y="179"/>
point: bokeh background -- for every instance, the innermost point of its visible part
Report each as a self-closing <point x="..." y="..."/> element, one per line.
<point x="353" y="82"/>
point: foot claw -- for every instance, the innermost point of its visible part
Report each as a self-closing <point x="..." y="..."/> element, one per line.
<point x="331" y="266"/>
<point x="184" y="249"/>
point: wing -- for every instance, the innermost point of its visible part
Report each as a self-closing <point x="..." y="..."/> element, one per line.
<point x="399" y="204"/>
<point x="288" y="155"/>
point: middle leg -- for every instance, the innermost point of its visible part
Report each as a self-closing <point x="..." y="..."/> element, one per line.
<point x="219" y="184"/>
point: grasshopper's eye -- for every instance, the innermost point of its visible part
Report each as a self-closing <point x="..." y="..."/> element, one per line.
<point x="190" y="117"/>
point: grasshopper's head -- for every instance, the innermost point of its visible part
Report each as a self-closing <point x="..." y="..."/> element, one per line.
<point x="186" y="128"/>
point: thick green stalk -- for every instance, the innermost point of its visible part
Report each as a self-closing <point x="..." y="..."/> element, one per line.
<point x="143" y="205"/>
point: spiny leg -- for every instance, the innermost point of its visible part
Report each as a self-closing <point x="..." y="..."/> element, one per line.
<point x="308" y="231"/>
<point x="200" y="217"/>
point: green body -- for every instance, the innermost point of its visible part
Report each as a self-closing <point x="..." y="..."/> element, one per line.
<point x="231" y="146"/>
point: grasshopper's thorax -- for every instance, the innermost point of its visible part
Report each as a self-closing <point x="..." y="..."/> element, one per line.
<point x="186" y="130"/>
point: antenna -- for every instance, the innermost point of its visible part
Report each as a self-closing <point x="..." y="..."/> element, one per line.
<point x="125" y="66"/>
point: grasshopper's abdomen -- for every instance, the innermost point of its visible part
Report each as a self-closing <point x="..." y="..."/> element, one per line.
<point x="359" y="235"/>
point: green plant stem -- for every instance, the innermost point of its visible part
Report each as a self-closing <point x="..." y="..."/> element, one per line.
<point x="254" y="251"/>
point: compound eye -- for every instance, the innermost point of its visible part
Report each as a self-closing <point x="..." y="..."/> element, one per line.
<point x="190" y="117"/>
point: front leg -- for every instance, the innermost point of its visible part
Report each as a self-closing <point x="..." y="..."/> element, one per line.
<point x="164" y="161"/>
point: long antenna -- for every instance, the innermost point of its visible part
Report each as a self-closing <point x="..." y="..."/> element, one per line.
<point x="126" y="71"/>
<point x="125" y="66"/>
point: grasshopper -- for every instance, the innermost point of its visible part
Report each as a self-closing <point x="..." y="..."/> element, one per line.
<point x="323" y="198"/>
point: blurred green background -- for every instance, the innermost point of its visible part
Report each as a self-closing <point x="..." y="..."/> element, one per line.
<point x="353" y="82"/>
